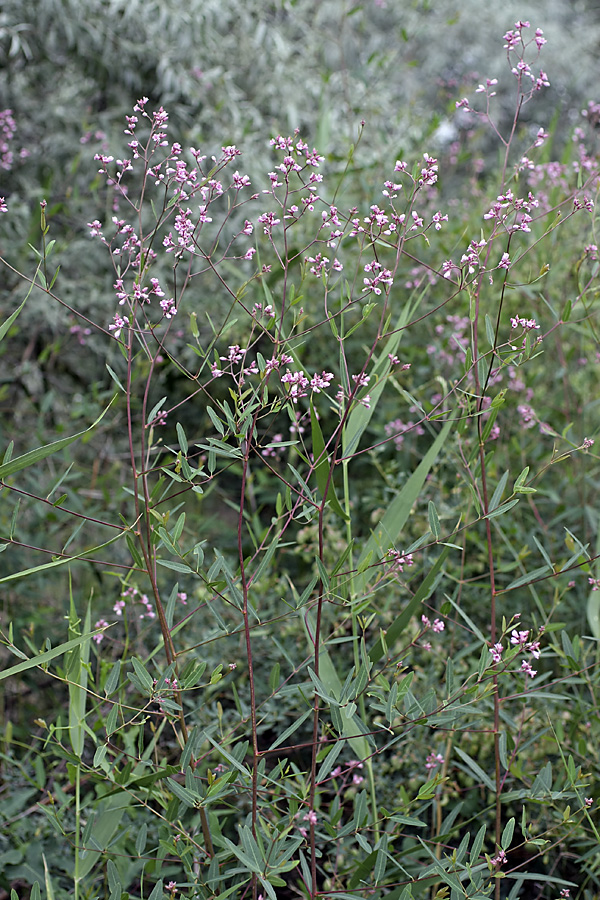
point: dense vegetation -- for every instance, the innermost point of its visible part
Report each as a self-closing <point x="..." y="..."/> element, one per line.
<point x="299" y="533"/>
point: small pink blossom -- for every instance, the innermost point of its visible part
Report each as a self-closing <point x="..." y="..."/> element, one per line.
<point x="499" y="859"/>
<point x="519" y="637"/>
<point x="434" y="760"/>
<point x="496" y="652"/>
<point x="101" y="623"/>
<point x="95" y="226"/>
<point x="118" y="324"/>
<point x="526" y="667"/>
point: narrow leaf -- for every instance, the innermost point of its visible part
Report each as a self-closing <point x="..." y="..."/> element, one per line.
<point x="34" y="456"/>
<point x="323" y="472"/>
<point x="390" y="526"/>
<point x="434" y="521"/>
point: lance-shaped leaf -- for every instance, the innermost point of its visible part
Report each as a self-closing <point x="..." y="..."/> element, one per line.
<point x="34" y="456"/>
<point x="323" y="466"/>
<point x="390" y="526"/>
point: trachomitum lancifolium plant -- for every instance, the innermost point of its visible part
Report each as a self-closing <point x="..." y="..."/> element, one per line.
<point x="302" y="687"/>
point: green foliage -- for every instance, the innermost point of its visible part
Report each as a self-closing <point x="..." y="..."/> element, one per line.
<point x="296" y="554"/>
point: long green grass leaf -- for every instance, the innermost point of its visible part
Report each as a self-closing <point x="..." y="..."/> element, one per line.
<point x="388" y="531"/>
<point x="48" y="656"/>
<point x="399" y="624"/>
<point x="34" y="456"/>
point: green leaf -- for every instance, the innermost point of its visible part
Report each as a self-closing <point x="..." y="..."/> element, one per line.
<point x="500" y="510"/>
<point x="489" y="330"/>
<point x="323" y="472"/>
<point x="329" y="761"/>
<point x="228" y="756"/>
<point x="434" y="521"/>
<point x="115" y="378"/>
<point x="497" y="495"/>
<point x="78" y="676"/>
<point x="215" y="420"/>
<point x="183" y="443"/>
<point x="292" y="728"/>
<point x="399" y="624"/>
<point x="113" y="877"/>
<point x="380" y="862"/>
<point x="507" y="834"/>
<point x="46" y="657"/>
<point x="390" y="526"/>
<point x="34" y="456"/>
<point x="360" y="416"/>
<point x="155" y="409"/>
<point x="174" y="565"/>
<point x="321" y="689"/>
<point x="477" y="845"/>
<point x="157" y="891"/>
<point x="7" y="324"/>
<point x="476" y="769"/>
<point x="528" y="577"/>
<point x="522" y="477"/>
<point x="143" y="676"/>
<point x="191" y="799"/>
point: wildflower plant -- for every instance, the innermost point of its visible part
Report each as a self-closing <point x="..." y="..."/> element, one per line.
<point x="237" y="710"/>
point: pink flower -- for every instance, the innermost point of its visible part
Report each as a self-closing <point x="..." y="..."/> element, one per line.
<point x="118" y="324"/>
<point x="101" y="623"/>
<point x="320" y="382"/>
<point x="519" y="637"/>
<point x="95" y="226"/>
<point x="298" y="384"/>
<point x="168" y="307"/>
<point x="499" y="859"/>
<point x="526" y="667"/>
<point x="496" y="652"/>
<point x="434" y="760"/>
<point x="269" y="220"/>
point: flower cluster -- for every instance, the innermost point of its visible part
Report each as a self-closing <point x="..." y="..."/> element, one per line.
<point x="397" y="429"/>
<point x="8" y="129"/>
<point x="520" y="642"/>
<point x="526" y="324"/>
<point x="299" y="384"/>
<point x="438" y="626"/>
<point x="353" y="767"/>
<point x="398" y="561"/>
<point x="101" y="623"/>
<point x="433" y="761"/>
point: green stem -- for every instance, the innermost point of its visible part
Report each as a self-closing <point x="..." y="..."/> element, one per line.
<point x="352" y="597"/>
<point x="77" y="830"/>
